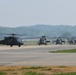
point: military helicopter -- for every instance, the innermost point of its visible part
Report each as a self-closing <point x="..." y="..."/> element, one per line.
<point x="43" y="40"/>
<point x="71" y="41"/>
<point x="11" y="40"/>
<point x="59" y="41"/>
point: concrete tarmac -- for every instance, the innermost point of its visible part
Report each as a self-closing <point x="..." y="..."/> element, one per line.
<point x="37" y="56"/>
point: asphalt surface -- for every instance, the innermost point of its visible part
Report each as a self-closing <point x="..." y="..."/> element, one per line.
<point x="37" y="56"/>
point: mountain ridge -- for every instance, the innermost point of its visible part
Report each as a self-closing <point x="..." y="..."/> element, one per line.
<point x="48" y="30"/>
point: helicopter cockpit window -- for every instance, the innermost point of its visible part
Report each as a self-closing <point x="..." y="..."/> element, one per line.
<point x="19" y="40"/>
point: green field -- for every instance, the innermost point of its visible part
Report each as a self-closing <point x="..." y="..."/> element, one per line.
<point x="72" y="73"/>
<point x="49" y="70"/>
<point x="64" y="51"/>
<point x="35" y="73"/>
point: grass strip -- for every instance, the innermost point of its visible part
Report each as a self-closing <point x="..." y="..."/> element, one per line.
<point x="64" y="51"/>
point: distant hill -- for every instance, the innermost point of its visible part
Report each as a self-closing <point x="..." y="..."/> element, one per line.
<point x="39" y="30"/>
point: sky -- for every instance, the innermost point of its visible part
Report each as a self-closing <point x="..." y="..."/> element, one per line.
<point x="14" y="13"/>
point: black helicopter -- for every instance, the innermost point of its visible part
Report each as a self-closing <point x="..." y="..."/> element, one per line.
<point x="11" y="40"/>
<point x="43" y="40"/>
<point x="59" y="41"/>
<point x="71" y="41"/>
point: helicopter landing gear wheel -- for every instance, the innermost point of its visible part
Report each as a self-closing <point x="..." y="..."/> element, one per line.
<point x="39" y="44"/>
<point x="11" y="45"/>
<point x="19" y="45"/>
